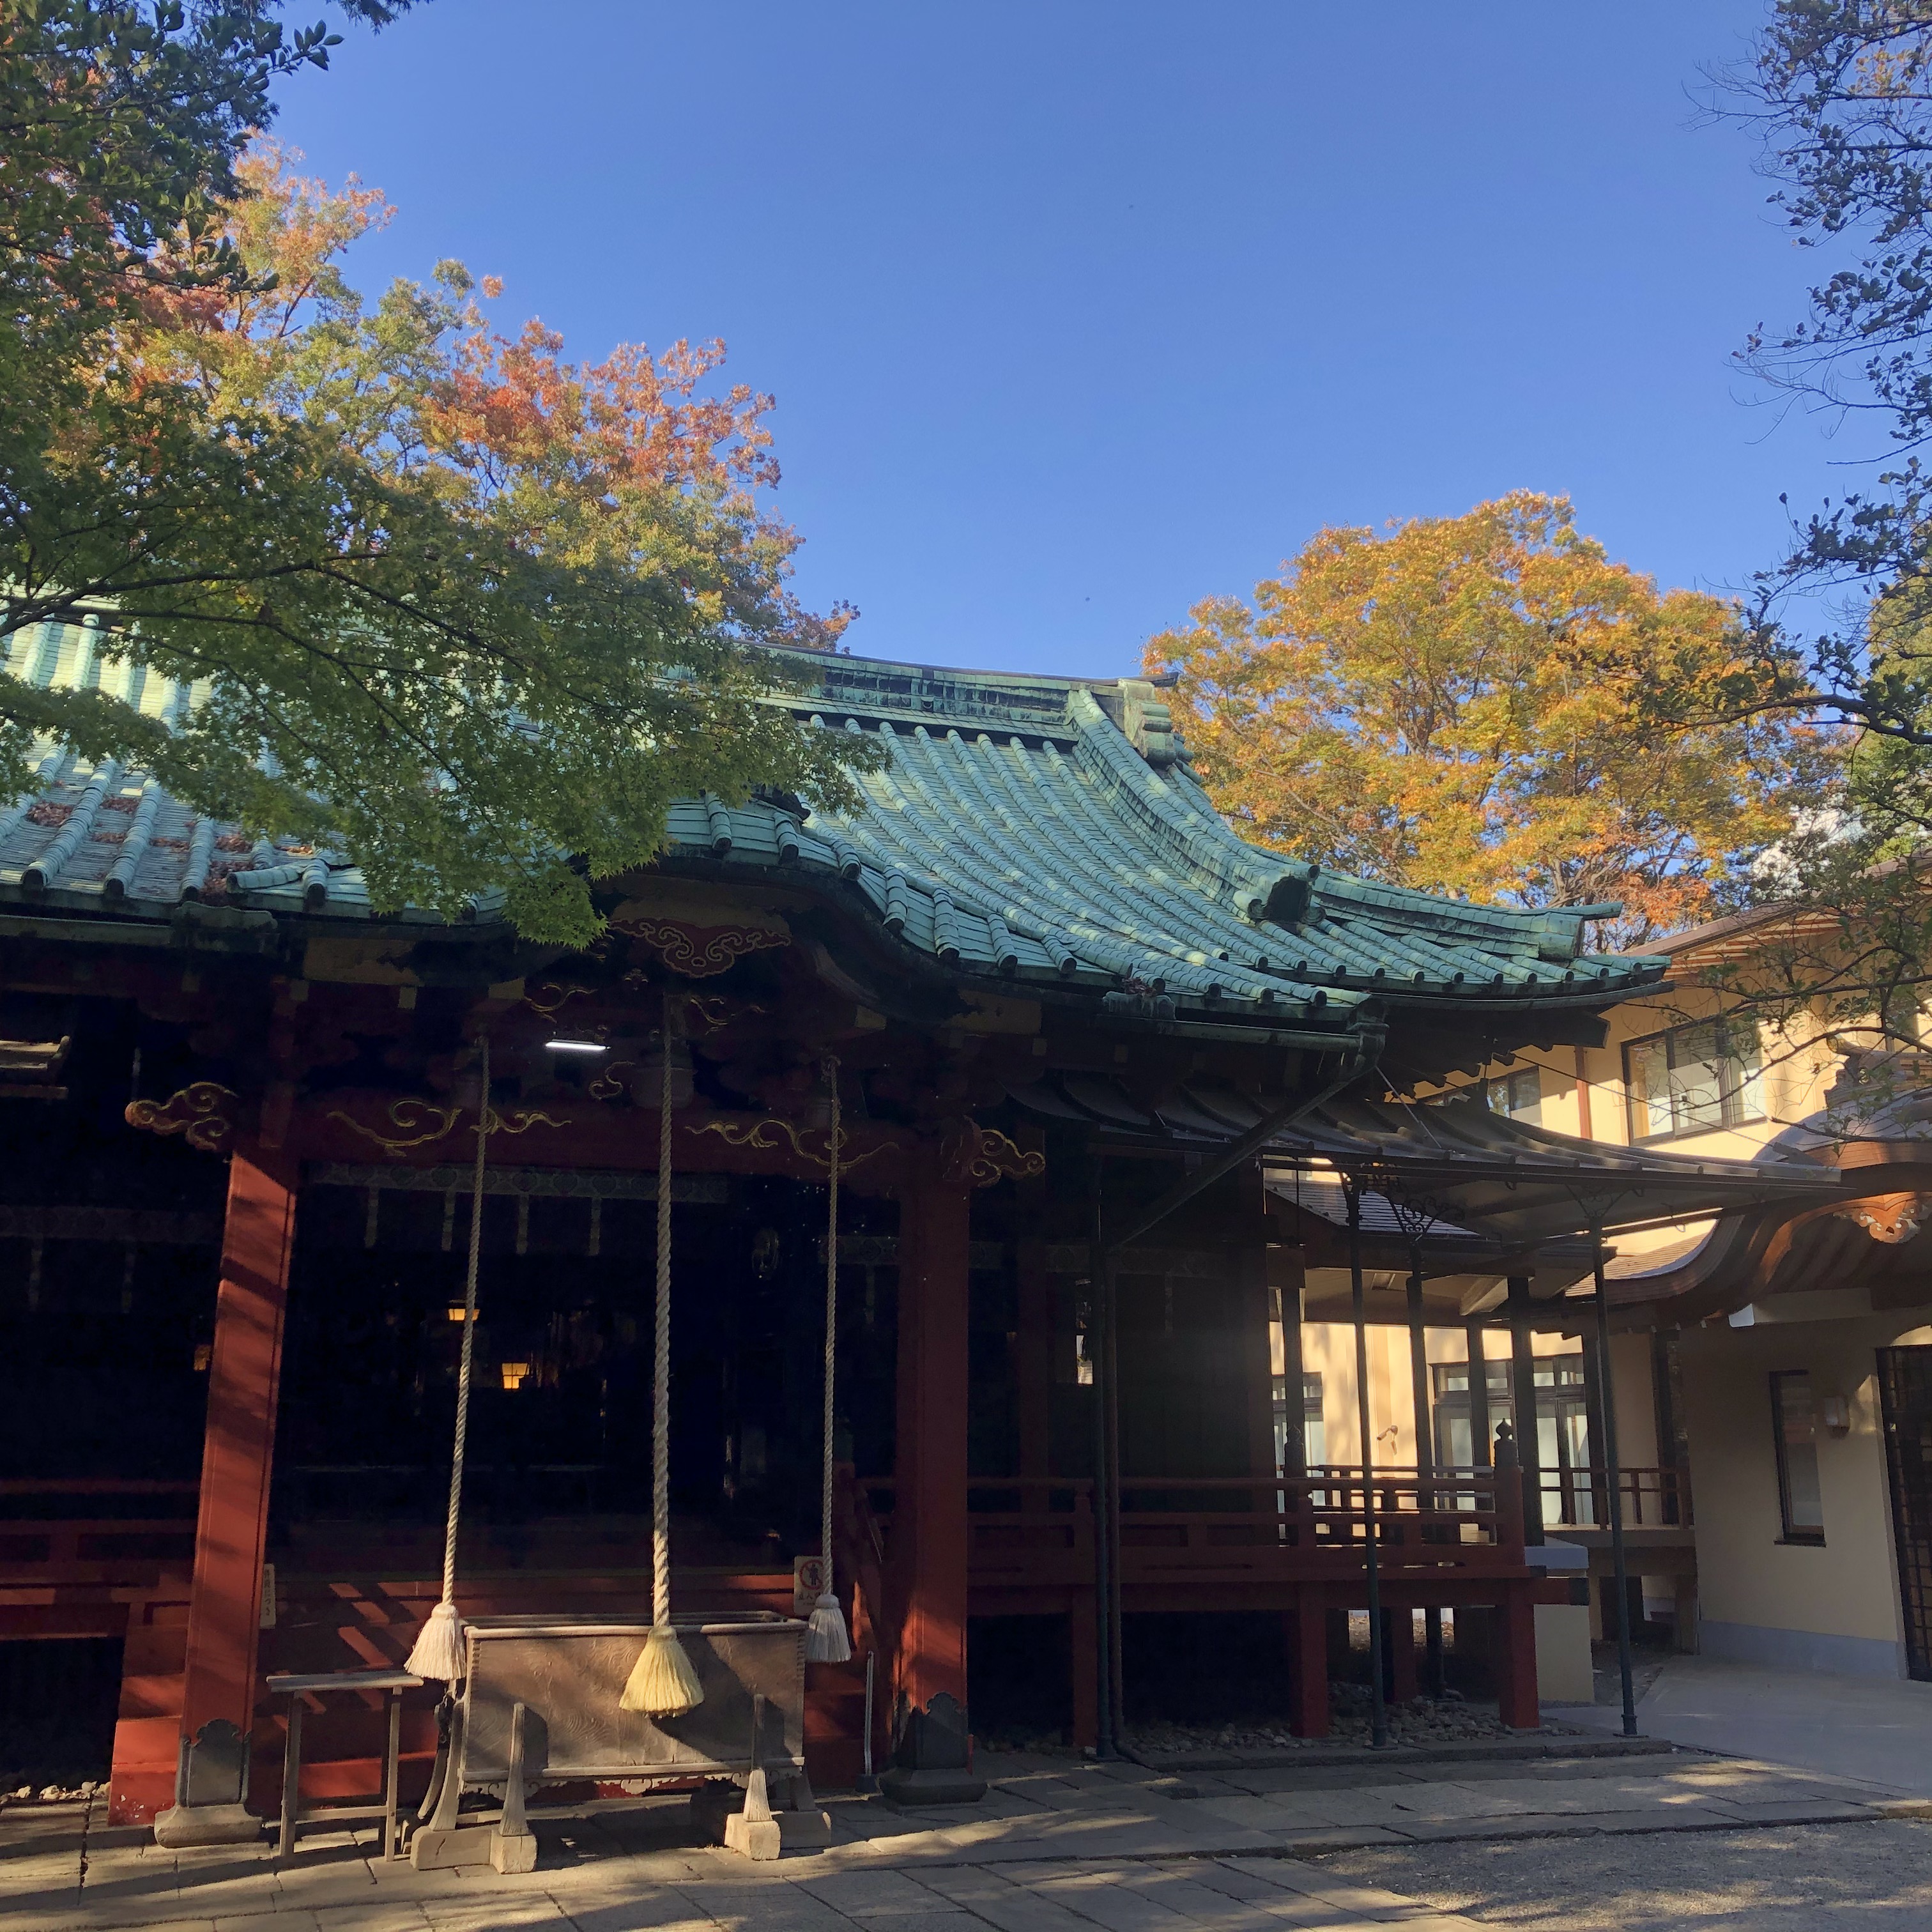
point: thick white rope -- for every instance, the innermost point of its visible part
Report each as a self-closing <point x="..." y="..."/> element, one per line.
<point x="827" y="1638"/>
<point x="469" y="1340"/>
<point x="438" y="1652"/>
<point x="661" y="1379"/>
<point x="831" y="1319"/>
<point x="663" y="1682"/>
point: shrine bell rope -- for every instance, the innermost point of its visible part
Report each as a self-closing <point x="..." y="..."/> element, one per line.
<point x="826" y="1638"/>
<point x="438" y="1652"/>
<point x="662" y="1682"/>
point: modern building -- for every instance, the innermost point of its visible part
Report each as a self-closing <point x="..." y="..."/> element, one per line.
<point x="1792" y="1391"/>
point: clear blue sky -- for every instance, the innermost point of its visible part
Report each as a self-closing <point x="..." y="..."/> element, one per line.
<point x="1076" y="313"/>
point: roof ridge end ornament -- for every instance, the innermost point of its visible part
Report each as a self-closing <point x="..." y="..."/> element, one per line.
<point x="1290" y="899"/>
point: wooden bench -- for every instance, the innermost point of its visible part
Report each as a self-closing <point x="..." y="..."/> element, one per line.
<point x="541" y="1705"/>
<point x="297" y="1685"/>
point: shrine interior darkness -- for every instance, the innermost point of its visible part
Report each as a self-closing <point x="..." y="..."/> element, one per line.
<point x="106" y="1333"/>
<point x="108" y="1263"/>
<point x="561" y="1410"/>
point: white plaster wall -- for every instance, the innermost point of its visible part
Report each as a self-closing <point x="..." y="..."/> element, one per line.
<point x="1328" y="1350"/>
<point x="1833" y="1607"/>
<point x="1564" y="1674"/>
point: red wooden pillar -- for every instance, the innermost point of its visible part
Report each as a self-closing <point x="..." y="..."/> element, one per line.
<point x="929" y="1528"/>
<point x="237" y="1455"/>
<point x="1515" y="1667"/>
<point x="929" y="1508"/>
<point x="1307" y="1633"/>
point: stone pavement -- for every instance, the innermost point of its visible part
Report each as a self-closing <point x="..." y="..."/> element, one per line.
<point x="1058" y="1845"/>
<point x="1874" y="1727"/>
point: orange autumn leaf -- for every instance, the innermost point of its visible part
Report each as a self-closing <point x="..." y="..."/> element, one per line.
<point x="1473" y="705"/>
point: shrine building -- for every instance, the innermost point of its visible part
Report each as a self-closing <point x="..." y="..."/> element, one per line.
<point x="1116" y="1101"/>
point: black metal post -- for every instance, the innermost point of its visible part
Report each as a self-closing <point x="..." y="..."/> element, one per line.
<point x="1613" y="1482"/>
<point x="1479" y="1397"/>
<point x="1593" y="1410"/>
<point x="1377" y="1704"/>
<point x="1110" y="1324"/>
<point x="1294" y="1448"/>
<point x="1522" y="1398"/>
<point x="1425" y="1457"/>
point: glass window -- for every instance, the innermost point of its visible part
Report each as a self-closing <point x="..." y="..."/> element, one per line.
<point x="1692" y="1079"/>
<point x="1519" y="1094"/>
<point x="1314" y="1431"/>
<point x="1795" y="1429"/>
<point x="1562" y="1428"/>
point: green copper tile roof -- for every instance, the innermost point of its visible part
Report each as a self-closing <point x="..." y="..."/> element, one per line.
<point x="1047" y="830"/>
<point x="1026" y="829"/>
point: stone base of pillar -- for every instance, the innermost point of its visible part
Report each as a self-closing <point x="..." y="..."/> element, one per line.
<point x="903" y="1785"/>
<point x="933" y="1761"/>
<point x="183" y="1825"/>
<point x="445" y="1849"/>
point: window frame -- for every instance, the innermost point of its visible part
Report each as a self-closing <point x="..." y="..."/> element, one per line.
<point x="1313" y="1410"/>
<point x="1508" y="1079"/>
<point x="1805" y="1536"/>
<point x="1737" y="1078"/>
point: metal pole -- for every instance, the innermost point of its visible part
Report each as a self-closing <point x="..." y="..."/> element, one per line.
<point x="1613" y="1481"/>
<point x="1522" y="1401"/>
<point x="1479" y="1396"/>
<point x="1425" y="1456"/>
<point x="1378" y="1706"/>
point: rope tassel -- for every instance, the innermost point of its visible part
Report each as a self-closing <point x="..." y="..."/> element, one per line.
<point x="662" y="1682"/>
<point x="826" y="1640"/>
<point x="438" y="1652"/>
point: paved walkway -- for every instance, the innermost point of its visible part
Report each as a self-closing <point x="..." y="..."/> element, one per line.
<point x="1808" y="1878"/>
<point x="1874" y="1728"/>
<point x="1057" y="1847"/>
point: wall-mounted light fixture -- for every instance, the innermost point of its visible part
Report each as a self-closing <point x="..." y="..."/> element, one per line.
<point x="1835" y="1412"/>
<point x="576" y="1046"/>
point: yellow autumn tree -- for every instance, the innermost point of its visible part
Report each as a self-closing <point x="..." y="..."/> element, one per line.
<point x="1483" y="705"/>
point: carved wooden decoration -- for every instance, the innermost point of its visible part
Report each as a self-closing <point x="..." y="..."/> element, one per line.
<point x="1893" y="1218"/>
<point x="698" y="952"/>
<point x="812" y="1145"/>
<point x="203" y="1113"/>
<point x="549" y="996"/>
<point x="984" y="1156"/>
<point x="419" y="1122"/>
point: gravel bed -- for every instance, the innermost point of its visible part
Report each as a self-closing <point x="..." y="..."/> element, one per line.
<point x="1772" y="1878"/>
<point x="1423" y="1722"/>
<point x="52" y="1794"/>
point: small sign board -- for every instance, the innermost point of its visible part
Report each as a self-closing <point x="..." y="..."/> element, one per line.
<point x="807" y="1583"/>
